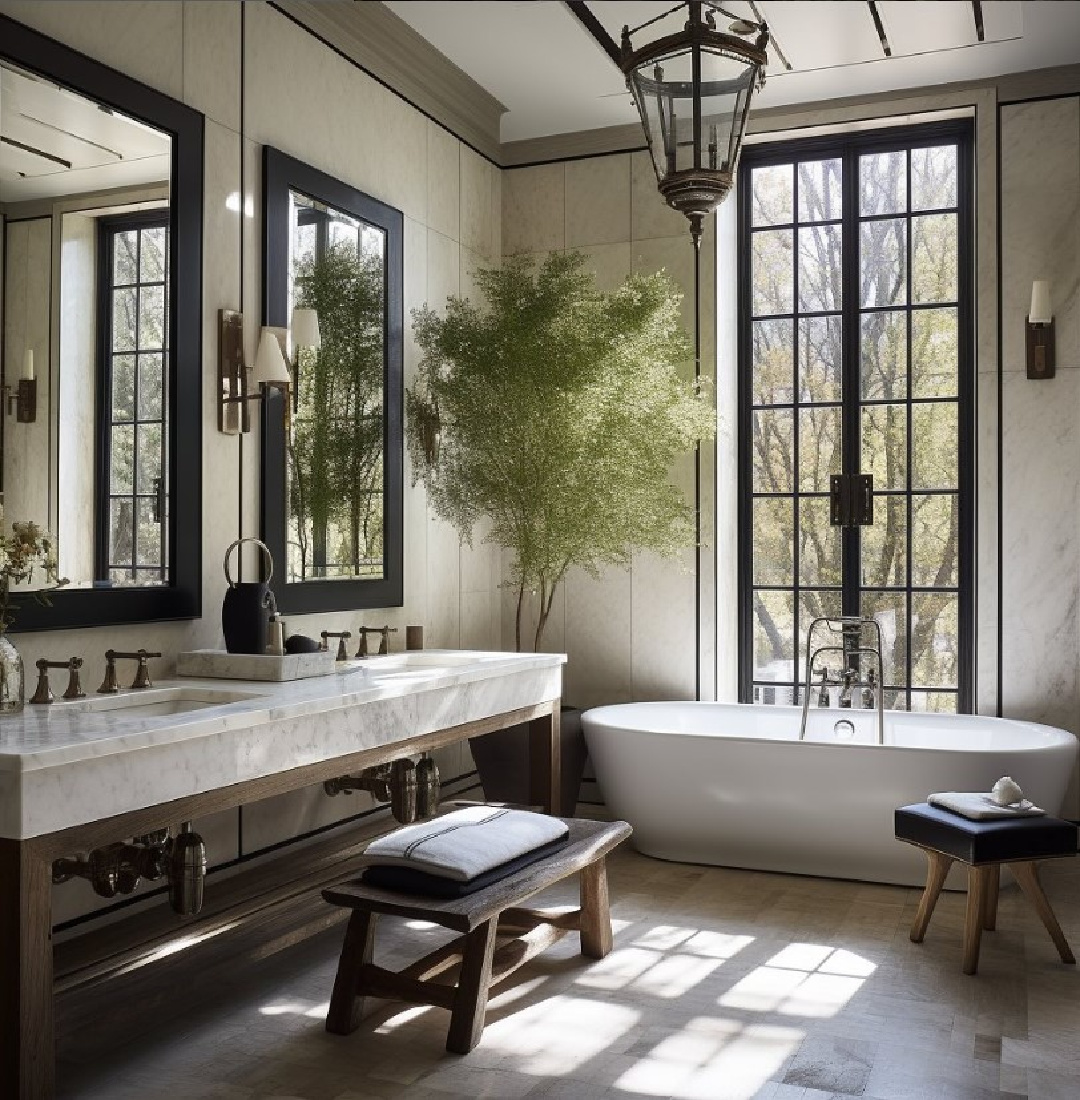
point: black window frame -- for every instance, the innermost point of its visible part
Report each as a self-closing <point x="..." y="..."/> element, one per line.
<point x="108" y="229"/>
<point x="849" y="146"/>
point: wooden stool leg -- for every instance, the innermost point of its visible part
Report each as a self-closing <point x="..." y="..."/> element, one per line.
<point x="596" y="939"/>
<point x="470" y="1001"/>
<point x="993" y="880"/>
<point x="346" y="1007"/>
<point x="1027" y="874"/>
<point x="937" y="869"/>
<point x="978" y="881"/>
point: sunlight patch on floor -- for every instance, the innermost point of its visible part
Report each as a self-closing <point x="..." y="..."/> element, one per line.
<point x="556" y="1036"/>
<point x="801" y="980"/>
<point x="710" y="1058"/>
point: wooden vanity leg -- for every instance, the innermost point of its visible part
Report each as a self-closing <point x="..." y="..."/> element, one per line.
<point x="596" y="937"/>
<point x="936" y="872"/>
<point x="545" y="766"/>
<point x="470" y="1001"/>
<point x="27" y="1054"/>
<point x="346" y="1007"/>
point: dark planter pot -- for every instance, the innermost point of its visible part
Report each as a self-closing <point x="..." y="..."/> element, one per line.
<point x="502" y="759"/>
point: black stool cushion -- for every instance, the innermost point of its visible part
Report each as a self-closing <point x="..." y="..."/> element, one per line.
<point x="1001" y="841"/>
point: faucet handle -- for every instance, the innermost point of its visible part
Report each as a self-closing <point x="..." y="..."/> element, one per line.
<point x="43" y="691"/>
<point x="142" y="673"/>
<point x="74" y="688"/>
<point x="108" y="685"/>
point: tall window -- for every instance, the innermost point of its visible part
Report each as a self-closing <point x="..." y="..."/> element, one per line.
<point x="856" y="358"/>
<point x="132" y="547"/>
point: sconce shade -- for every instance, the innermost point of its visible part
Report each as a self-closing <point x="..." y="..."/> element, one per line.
<point x="305" y="329"/>
<point x="1041" y="311"/>
<point x="692" y="90"/>
<point x="270" y="362"/>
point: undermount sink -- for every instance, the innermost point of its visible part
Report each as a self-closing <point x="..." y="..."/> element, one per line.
<point x="154" y="702"/>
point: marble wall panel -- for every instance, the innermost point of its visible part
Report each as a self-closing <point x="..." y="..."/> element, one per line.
<point x="597" y="201"/>
<point x="443" y="181"/>
<point x="211" y="44"/>
<point x="534" y="209"/>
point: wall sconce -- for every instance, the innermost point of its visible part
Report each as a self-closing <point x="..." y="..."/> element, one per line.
<point x="305" y="334"/>
<point x="1040" y="332"/>
<point x="270" y="370"/>
<point x="22" y="397"/>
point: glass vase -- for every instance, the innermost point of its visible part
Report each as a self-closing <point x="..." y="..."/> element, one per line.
<point x="12" y="678"/>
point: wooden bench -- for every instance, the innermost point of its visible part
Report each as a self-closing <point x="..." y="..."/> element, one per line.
<point x="1020" y="843"/>
<point x="479" y="917"/>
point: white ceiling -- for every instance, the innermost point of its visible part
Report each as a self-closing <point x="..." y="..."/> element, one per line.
<point x="536" y="58"/>
<point x="54" y="142"/>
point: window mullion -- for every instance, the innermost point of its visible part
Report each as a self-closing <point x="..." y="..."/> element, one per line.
<point x="849" y="386"/>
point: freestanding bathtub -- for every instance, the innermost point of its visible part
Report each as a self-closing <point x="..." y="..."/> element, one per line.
<point x="731" y="784"/>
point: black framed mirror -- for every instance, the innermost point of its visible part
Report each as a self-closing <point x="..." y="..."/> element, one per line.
<point x="333" y="466"/>
<point x="103" y="176"/>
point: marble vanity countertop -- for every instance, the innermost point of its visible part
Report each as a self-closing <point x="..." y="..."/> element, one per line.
<point x="69" y="763"/>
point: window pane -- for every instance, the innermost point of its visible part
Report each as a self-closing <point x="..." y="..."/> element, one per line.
<point x="774" y="539"/>
<point x="820" y="358"/>
<point x="933" y="177"/>
<point x="125" y="258"/>
<point x="152" y="257"/>
<point x="151" y="316"/>
<point x="149" y="545"/>
<point x="884" y="544"/>
<point x="774" y="451"/>
<point x="884" y="445"/>
<point x="814" y="604"/>
<point x="149" y="458"/>
<point x="819" y="448"/>
<point x="123" y="387"/>
<point x="820" y="190"/>
<point x="774" y="366"/>
<point x="933" y="437"/>
<point x="935" y="335"/>
<point x="772" y="271"/>
<point x="150" y="387"/>
<point x="935" y="540"/>
<point x="934" y="702"/>
<point x="890" y="611"/>
<point x="820" y="268"/>
<point x="819" y="544"/>
<point x="122" y="458"/>
<point x="884" y="356"/>
<point x="125" y="306"/>
<point x="934" y="639"/>
<point x="771" y="191"/>
<point x="883" y="183"/>
<point x="122" y="531"/>
<point x="933" y="258"/>
<point x="774" y="628"/>
<point x="883" y="263"/>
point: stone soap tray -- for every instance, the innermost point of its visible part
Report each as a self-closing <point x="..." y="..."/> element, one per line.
<point x="217" y="664"/>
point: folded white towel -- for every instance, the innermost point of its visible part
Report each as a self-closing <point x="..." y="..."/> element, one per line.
<point x="466" y="843"/>
<point x="981" y="807"/>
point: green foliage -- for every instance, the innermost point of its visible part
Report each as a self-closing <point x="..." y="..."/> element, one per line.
<point x="335" y="452"/>
<point x="560" y="411"/>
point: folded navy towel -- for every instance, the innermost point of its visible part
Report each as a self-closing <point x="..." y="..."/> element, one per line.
<point x="466" y="843"/>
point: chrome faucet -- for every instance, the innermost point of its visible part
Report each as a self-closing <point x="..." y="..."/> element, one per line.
<point x="851" y="650"/>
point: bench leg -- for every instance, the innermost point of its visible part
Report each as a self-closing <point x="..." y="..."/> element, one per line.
<point x="978" y="883"/>
<point x="346" y="1007"/>
<point x="470" y="1001"/>
<point x="1027" y="874"/>
<point x="937" y="869"/>
<point x="596" y="940"/>
<point x="992" y="887"/>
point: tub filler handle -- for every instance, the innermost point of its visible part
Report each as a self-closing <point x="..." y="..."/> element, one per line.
<point x="848" y="627"/>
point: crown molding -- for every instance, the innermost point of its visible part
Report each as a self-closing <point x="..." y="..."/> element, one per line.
<point x="573" y="146"/>
<point x="386" y="47"/>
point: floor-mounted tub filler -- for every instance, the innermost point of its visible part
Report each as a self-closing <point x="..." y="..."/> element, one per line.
<point x="732" y="785"/>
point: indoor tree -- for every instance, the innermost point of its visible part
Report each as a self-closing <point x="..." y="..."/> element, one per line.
<point x="555" y="411"/>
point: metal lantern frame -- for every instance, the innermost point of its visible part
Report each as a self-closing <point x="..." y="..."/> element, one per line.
<point x="695" y="191"/>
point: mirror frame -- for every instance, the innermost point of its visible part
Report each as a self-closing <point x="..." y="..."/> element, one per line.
<point x="282" y="174"/>
<point x="182" y="599"/>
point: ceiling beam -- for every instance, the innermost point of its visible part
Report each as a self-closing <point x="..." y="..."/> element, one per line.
<point x="596" y="30"/>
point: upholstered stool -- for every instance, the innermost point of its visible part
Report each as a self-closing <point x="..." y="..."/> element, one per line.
<point x="1018" y="842"/>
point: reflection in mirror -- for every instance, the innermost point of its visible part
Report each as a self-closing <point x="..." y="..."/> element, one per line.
<point x="333" y="464"/>
<point x="85" y="204"/>
<point x="336" y="440"/>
